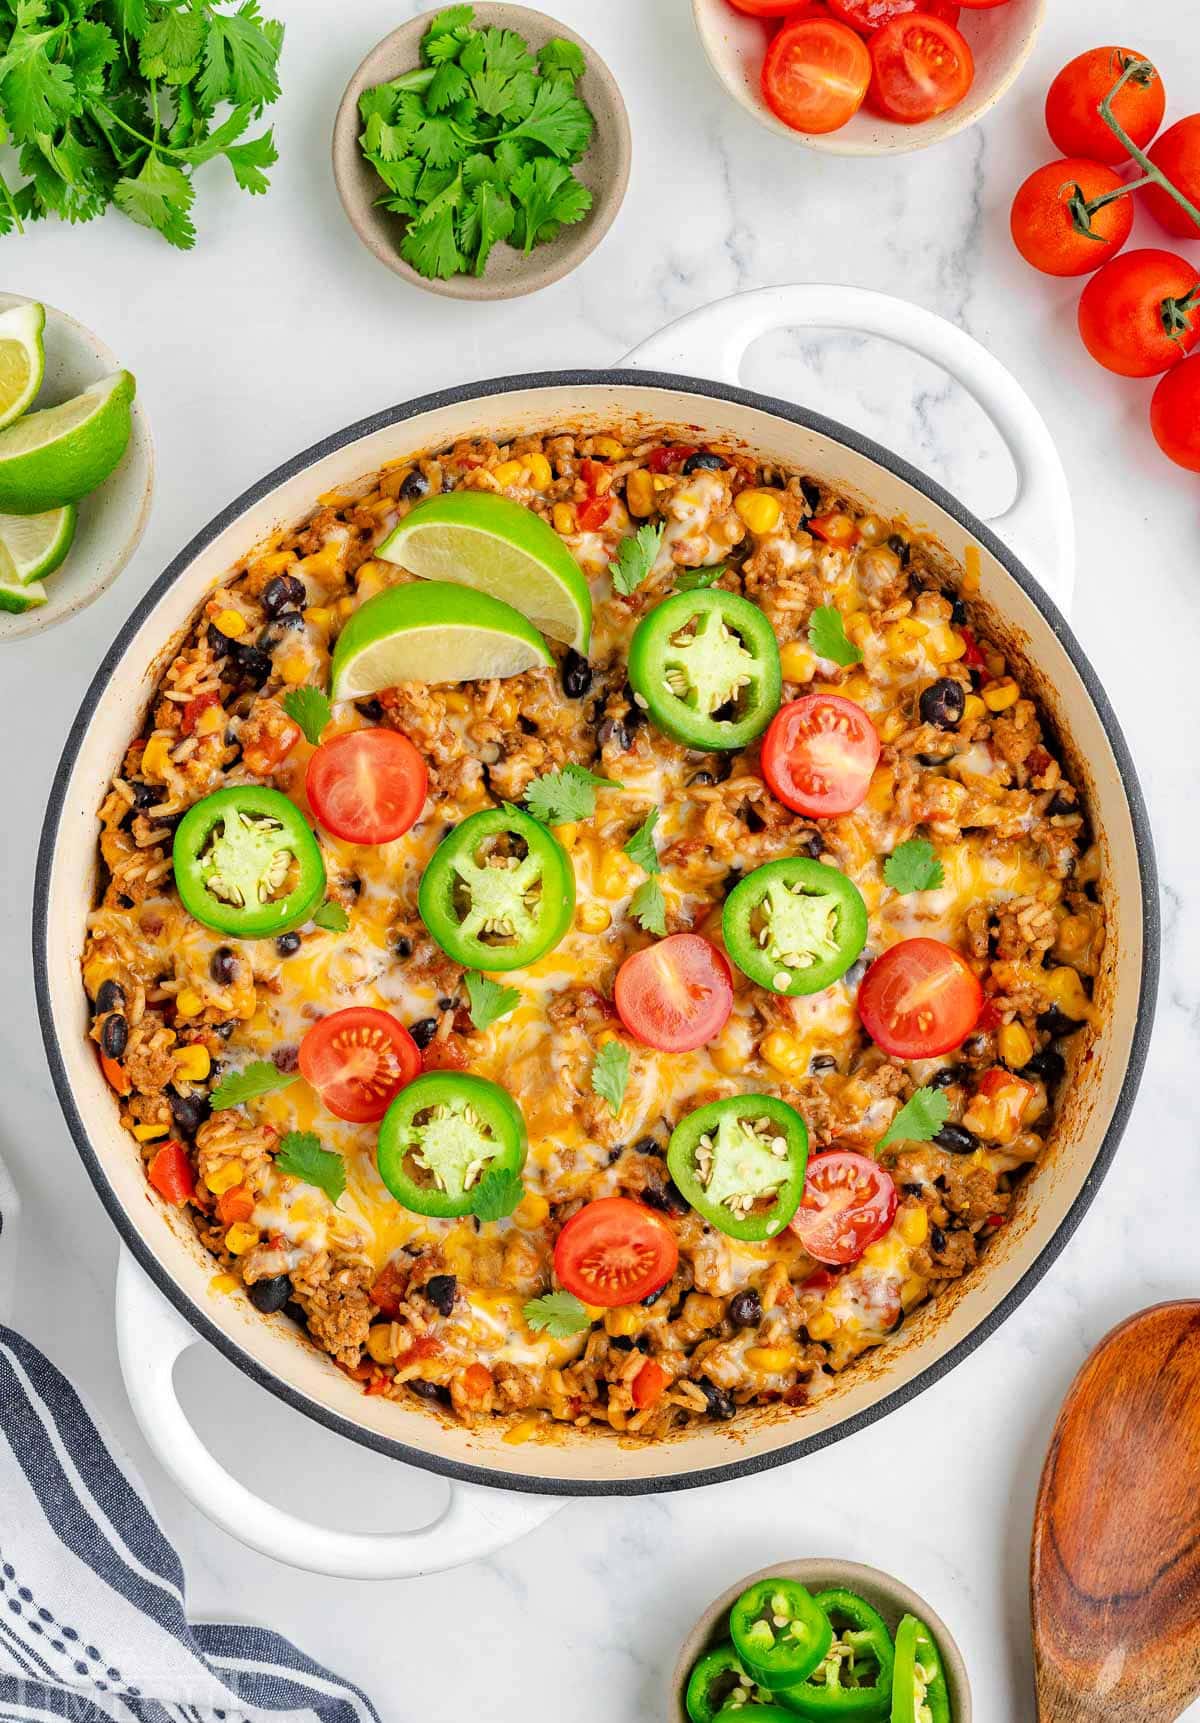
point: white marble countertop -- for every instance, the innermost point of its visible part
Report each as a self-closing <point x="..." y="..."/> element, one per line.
<point x="280" y="327"/>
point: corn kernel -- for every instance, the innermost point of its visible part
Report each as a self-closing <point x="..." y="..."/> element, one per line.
<point x="593" y="918"/>
<point x="508" y="473"/>
<point x="761" y="510"/>
<point x="912" y="1291"/>
<point x="1016" y="1049"/>
<point x="188" y="1002"/>
<point x="880" y="789"/>
<point x="1068" y="992"/>
<point x="914" y="1226"/>
<point x="625" y="1320"/>
<point x="520" y="1432"/>
<point x="224" y="1283"/>
<point x="193" y="1063"/>
<point x="821" y="1326"/>
<point x="996" y="663"/>
<point x="608" y="448"/>
<point x="346" y="607"/>
<point x="320" y="615"/>
<point x="773" y="1359"/>
<point x="974" y="707"/>
<point x="458" y="703"/>
<point x="947" y="645"/>
<point x="567" y="833"/>
<point x="210" y="721"/>
<point x="324" y="564"/>
<point x="615" y="874"/>
<point x="999" y="696"/>
<point x="241" y="1237"/>
<point x="538" y="469"/>
<point x="294" y="669"/>
<point x="639" y="493"/>
<point x="785" y="1053"/>
<point x="379" y="1342"/>
<point x="156" y="757"/>
<point x="891" y="727"/>
<point x="275" y="563"/>
<point x="728" y="1055"/>
<point x="150" y="1133"/>
<point x="797" y="662"/>
<point x="223" y="1178"/>
<point x="531" y="1211"/>
<point x="231" y="623"/>
<point x="564" y="519"/>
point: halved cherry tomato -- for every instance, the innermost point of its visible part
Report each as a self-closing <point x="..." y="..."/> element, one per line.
<point x="1073" y="116"/>
<point x="765" y="8"/>
<point x="919" y="999"/>
<point x="983" y="5"/>
<point x="1141" y="313"/>
<point x="818" y="755"/>
<point x="676" y="994"/>
<point x="615" y="1251"/>
<point x="1044" y="216"/>
<point x="358" y="1060"/>
<point x="920" y="67"/>
<point x="849" y="1201"/>
<point x="867" y="16"/>
<point x="367" y="786"/>
<point x="815" y="75"/>
<point x="836" y="529"/>
<point x="649" y="1383"/>
<point x="1177" y="153"/>
<point x="1175" y="415"/>
<point x="170" y="1172"/>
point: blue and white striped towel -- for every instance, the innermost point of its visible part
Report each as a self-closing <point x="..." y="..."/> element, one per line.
<point x="93" y="1623"/>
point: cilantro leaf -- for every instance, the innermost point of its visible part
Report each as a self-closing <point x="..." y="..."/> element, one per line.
<point x="498" y="1194"/>
<point x="558" y="1314"/>
<point x="37" y="93"/>
<point x="648" y="907"/>
<point x="160" y="197"/>
<point x="301" y="1156"/>
<point x="561" y="56"/>
<point x="260" y="1077"/>
<point x="250" y="160"/>
<point x="610" y="1074"/>
<point x="487" y="218"/>
<point x="131" y="16"/>
<point x="241" y="56"/>
<point x="636" y="556"/>
<point x="559" y="121"/>
<point x="171" y="47"/>
<point x="640" y="848"/>
<point x="489" y="1001"/>
<point x="332" y="917"/>
<point x="695" y="579"/>
<point x="913" y="866"/>
<point x="449" y="85"/>
<point x="446" y="34"/>
<point x="565" y="794"/>
<point x="919" y="1119"/>
<point x="431" y="248"/>
<point x="827" y="636"/>
<point x="310" y="708"/>
<point x="550" y="197"/>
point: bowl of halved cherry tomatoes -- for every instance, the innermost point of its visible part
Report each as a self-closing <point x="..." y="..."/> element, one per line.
<point x="868" y="77"/>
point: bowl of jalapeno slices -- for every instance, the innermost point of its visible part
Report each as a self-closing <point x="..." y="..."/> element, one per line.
<point x="830" y="1641"/>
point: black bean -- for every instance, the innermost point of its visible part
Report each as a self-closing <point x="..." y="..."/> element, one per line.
<point x="900" y="545"/>
<point x="111" y="997"/>
<point x="415" y="485"/>
<point x="701" y="778"/>
<point x="270" y="636"/>
<point x="976" y="1046"/>
<point x="612" y="730"/>
<point x="958" y="610"/>
<point x="297" y="1313"/>
<point x="220" y="645"/>
<point x="621" y="1342"/>
<point x="253" y="667"/>
<point x="403" y="946"/>
<point x="812" y="493"/>
<point x="372" y="709"/>
<point x="946" y="1076"/>
<point x="224" y="1030"/>
<point x="114" y="1037"/>
<point x="667" y="1199"/>
<point x="937" y="1239"/>
<point x="424" y="1031"/>
<point x="912" y="1190"/>
<point x="957" y="1139"/>
<point x="1049" y="1065"/>
<point x="576" y="674"/>
<point x="429" y="1391"/>
<point x="1060" y="805"/>
<point x="653" y="1297"/>
<point x="268" y="1296"/>
<point x="942" y="703"/>
<point x="526" y="725"/>
<point x="189" y="1112"/>
<point x="286" y="1059"/>
<point x="858" y="969"/>
<point x="441" y="1292"/>
<point x="732" y="878"/>
<point x="1057" y="1024"/>
<point x="702" y="463"/>
<point x="822" y="1062"/>
<point x="720" y="1400"/>
<point x="647" y="1146"/>
<point x="283" y="592"/>
<point x="147" y="795"/>
<point x="745" y="1309"/>
<point x="288" y="944"/>
<point x="222" y="966"/>
<point x="934" y="760"/>
<point x="642" y="1343"/>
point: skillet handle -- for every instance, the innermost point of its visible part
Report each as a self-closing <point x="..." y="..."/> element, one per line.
<point x="152" y="1337"/>
<point x="713" y="342"/>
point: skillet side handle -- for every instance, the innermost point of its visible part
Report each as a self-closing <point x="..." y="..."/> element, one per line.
<point x="713" y="342"/>
<point x="152" y="1337"/>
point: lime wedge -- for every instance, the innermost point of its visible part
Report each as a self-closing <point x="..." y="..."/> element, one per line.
<point x="60" y="454"/>
<point x="22" y="359"/>
<point x="19" y="597"/>
<point x="496" y="546"/>
<point x="432" y="631"/>
<point x="32" y="546"/>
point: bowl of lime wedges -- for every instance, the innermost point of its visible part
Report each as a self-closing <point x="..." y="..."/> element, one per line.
<point x="76" y="467"/>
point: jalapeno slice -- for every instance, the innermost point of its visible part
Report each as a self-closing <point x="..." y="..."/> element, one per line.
<point x="759" y="1714"/>
<point x="247" y="864"/>
<point x="740" y="1163"/>
<point x="795" y="926"/>
<point x="705" y="665"/>
<point x="720" y="1684"/>
<point x="499" y="892"/>
<point x="443" y="1136"/>
<point x="853" y="1681"/>
<point x="779" y="1632"/>
<point x="919" y="1691"/>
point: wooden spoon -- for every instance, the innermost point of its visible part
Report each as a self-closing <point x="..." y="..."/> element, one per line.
<point x="1115" y="1576"/>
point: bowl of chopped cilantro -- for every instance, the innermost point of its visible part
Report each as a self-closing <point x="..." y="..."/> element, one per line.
<point x="482" y="151"/>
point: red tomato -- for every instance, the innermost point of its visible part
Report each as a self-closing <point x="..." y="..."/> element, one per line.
<point x="649" y="1383"/>
<point x="195" y="707"/>
<point x="765" y="8"/>
<point x="818" y="755"/>
<point x="920" y="67"/>
<point x="815" y="75"/>
<point x="170" y="1173"/>
<point x="388" y="1292"/>
<point x="849" y="1201"/>
<point x="1073" y="106"/>
<point x="669" y="458"/>
<point x="867" y="16"/>
<point x="836" y="529"/>
<point x="1043" y="222"/>
<point x="676" y="994"/>
<point x="358" y="1060"/>
<point x="367" y="786"/>
<point x="594" y="513"/>
<point x="1177" y="153"/>
<point x="1140" y="314"/>
<point x="615" y="1251"/>
<point x="445" y="1053"/>
<point x="919" y="999"/>
<point x="983" y="5"/>
<point x="1175" y="415"/>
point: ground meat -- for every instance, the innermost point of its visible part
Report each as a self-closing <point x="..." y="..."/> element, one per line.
<point x="334" y="1299"/>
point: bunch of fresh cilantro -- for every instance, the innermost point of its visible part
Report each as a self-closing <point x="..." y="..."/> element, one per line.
<point x="116" y="102"/>
<point x="476" y="144"/>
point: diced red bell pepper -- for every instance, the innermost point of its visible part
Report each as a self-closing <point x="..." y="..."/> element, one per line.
<point x="820" y="1280"/>
<point x="837" y="529"/>
<point x="593" y="514"/>
<point x="273" y="741"/>
<point x="235" y="1205"/>
<point x="193" y="709"/>
<point x="446" y="1053"/>
<point x="973" y="658"/>
<point x="477" y="1382"/>
<point x="387" y="1294"/>
<point x="989" y="1017"/>
<point x="649" y="1383"/>
<point x="998" y="1105"/>
<point x="171" y="1174"/>
<point x="669" y="460"/>
<point x="378" y="1385"/>
<point x="116" y="1073"/>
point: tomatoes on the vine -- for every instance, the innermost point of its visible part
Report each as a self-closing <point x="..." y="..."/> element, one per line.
<point x="1060" y="226"/>
<point x="1073" y="116"/>
<point x="920" y="67"/>
<point x="1175" y="415"/>
<point x="1141" y="313"/>
<point x="1177" y="154"/>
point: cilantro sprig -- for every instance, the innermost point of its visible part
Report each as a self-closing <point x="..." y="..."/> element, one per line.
<point x="636" y="556"/>
<point x="567" y="793"/>
<point x="640" y="848"/>
<point x="919" y="1119"/>
<point x="488" y="1001"/>
<point x="310" y="708"/>
<point x="332" y="917"/>
<point x="647" y="906"/>
<point x="260" y="1077"/>
<point x="828" y="638"/>
<point x="558" y="1314"/>
<point x="475" y="147"/>
<point x="300" y="1154"/>
<point x="498" y="1195"/>
<point x="913" y="866"/>
<point x="610" y="1074"/>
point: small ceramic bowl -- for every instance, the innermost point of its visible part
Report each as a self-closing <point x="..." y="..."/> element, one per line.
<point x="887" y="1595"/>
<point x="1001" y="40"/>
<point x="111" y="520"/>
<point x="509" y="273"/>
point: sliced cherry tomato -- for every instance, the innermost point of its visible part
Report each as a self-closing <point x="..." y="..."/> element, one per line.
<point x="919" y="999"/>
<point x="594" y="513"/>
<point x="867" y="16"/>
<point x="358" y="1060"/>
<point x="1175" y="415"/>
<point x="1053" y="230"/>
<point x="765" y="8"/>
<point x="815" y="75"/>
<point x="367" y="786"/>
<point x="170" y="1172"/>
<point x="920" y="67"/>
<point x="1073" y="105"/>
<point x="983" y="5"/>
<point x="1140" y="314"/>
<point x="836" y="529"/>
<point x="849" y="1201"/>
<point x="1177" y="153"/>
<point x="818" y="755"/>
<point x="615" y="1251"/>
<point x="649" y="1383"/>
<point x="676" y="994"/>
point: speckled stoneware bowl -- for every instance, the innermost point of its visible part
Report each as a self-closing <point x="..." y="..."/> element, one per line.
<point x="1001" y="40"/>
<point x="889" y="1596"/>
<point x="111" y="520"/>
<point x="509" y="273"/>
